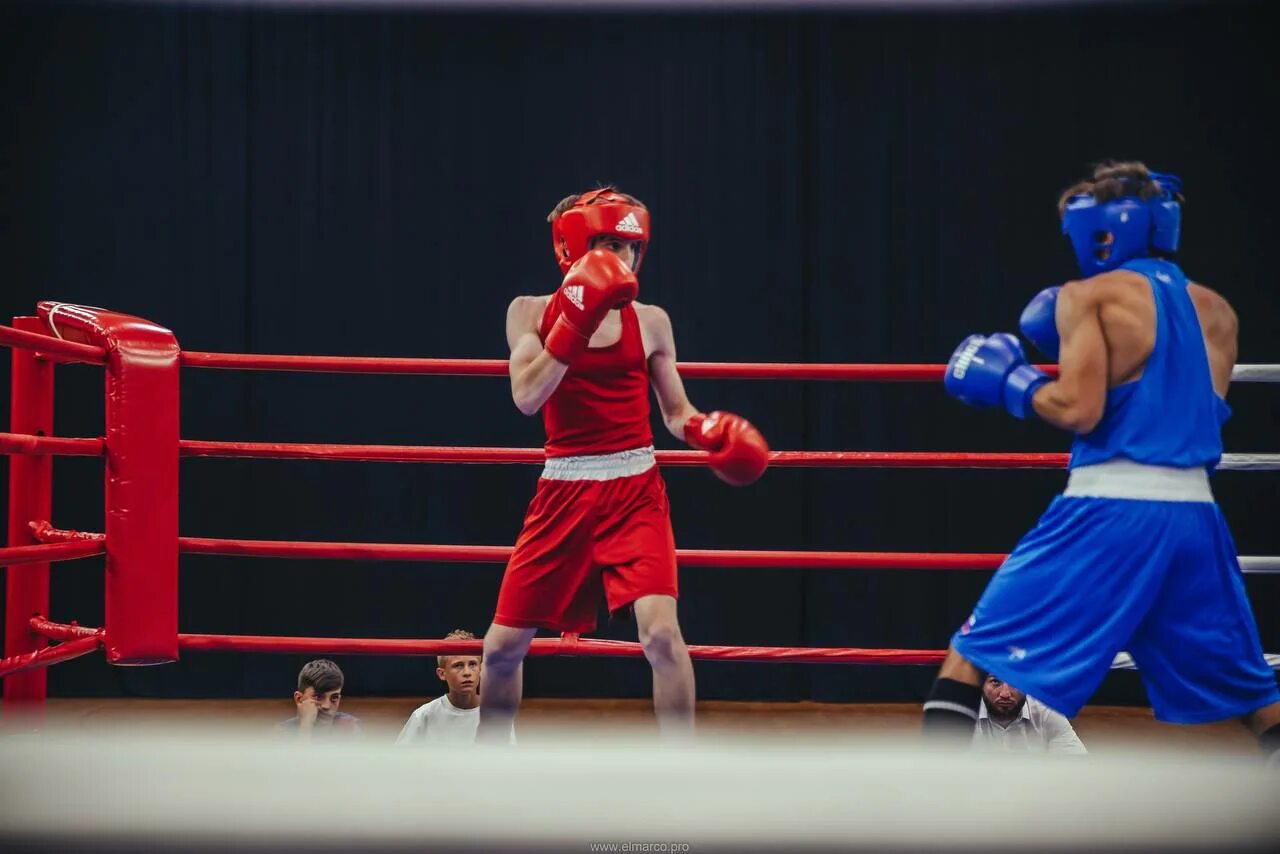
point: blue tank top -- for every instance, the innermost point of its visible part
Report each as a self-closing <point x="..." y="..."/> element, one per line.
<point x="1170" y="416"/>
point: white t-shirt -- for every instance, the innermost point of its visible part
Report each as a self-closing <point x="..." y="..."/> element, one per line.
<point x="1037" y="729"/>
<point x="441" y="722"/>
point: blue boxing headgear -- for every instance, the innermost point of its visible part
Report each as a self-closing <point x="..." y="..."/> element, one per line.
<point x="1137" y="227"/>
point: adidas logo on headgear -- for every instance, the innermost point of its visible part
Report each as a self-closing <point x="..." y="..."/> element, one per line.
<point x="573" y="293"/>
<point x="629" y="224"/>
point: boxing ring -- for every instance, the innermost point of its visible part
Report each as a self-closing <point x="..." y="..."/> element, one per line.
<point x="142" y="449"/>
<point x="805" y="793"/>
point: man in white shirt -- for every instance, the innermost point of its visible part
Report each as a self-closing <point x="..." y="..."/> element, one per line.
<point x="1011" y="722"/>
<point x="453" y="717"/>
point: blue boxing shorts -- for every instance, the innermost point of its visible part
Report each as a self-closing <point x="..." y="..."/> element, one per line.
<point x="1135" y="558"/>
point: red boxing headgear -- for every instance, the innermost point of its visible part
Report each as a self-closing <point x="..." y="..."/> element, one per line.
<point x="594" y="214"/>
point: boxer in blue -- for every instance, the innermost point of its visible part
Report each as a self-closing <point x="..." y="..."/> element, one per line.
<point x="1134" y="554"/>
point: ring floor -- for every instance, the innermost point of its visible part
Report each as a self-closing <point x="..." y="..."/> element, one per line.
<point x="382" y="717"/>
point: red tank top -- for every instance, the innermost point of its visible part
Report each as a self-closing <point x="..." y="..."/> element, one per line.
<point x="602" y="404"/>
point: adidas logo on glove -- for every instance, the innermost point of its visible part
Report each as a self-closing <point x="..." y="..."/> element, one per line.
<point x="573" y="293"/>
<point x="629" y="224"/>
<point x="967" y="358"/>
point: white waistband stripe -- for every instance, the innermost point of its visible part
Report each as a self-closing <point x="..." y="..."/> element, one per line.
<point x="1127" y="479"/>
<point x="600" y="466"/>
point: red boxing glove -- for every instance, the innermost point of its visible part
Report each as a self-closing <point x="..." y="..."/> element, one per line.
<point x="739" y="454"/>
<point x="598" y="282"/>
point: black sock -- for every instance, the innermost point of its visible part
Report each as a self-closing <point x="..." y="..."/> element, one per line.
<point x="951" y="711"/>
<point x="1269" y="741"/>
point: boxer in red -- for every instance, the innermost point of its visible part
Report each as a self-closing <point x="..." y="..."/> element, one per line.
<point x="599" y="522"/>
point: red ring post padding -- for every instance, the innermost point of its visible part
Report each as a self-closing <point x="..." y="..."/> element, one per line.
<point x="142" y="371"/>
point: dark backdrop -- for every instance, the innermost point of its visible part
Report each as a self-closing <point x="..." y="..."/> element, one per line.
<point x="825" y="187"/>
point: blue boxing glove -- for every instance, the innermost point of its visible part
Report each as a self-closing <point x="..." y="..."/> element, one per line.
<point x="1038" y="323"/>
<point x="990" y="370"/>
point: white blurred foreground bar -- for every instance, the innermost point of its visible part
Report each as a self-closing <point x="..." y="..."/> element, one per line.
<point x="728" y="793"/>
<point x="613" y="6"/>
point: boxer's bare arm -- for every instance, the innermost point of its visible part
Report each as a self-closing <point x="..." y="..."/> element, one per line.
<point x="660" y="349"/>
<point x="1076" y="400"/>
<point x="535" y="374"/>
<point x="1220" y="326"/>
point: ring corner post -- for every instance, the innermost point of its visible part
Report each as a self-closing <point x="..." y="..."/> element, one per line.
<point x="30" y="498"/>
<point x="142" y="428"/>
<point x="141" y="477"/>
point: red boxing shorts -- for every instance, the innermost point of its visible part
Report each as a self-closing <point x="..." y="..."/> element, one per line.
<point x="596" y="524"/>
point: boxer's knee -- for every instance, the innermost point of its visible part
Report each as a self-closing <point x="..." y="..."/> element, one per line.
<point x="505" y="648"/>
<point x="662" y="643"/>
<point x="659" y="629"/>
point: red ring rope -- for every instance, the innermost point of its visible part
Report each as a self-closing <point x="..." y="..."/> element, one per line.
<point x="566" y="645"/>
<point x="61" y="631"/>
<point x="500" y="554"/>
<point x="498" y="367"/>
<point x="772" y="558"/>
<point x="49" y="346"/>
<point x="25" y="443"/>
<point x="536" y="456"/>
<point x="551" y="646"/>
<point x="48" y="655"/>
<point x="51" y="552"/>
